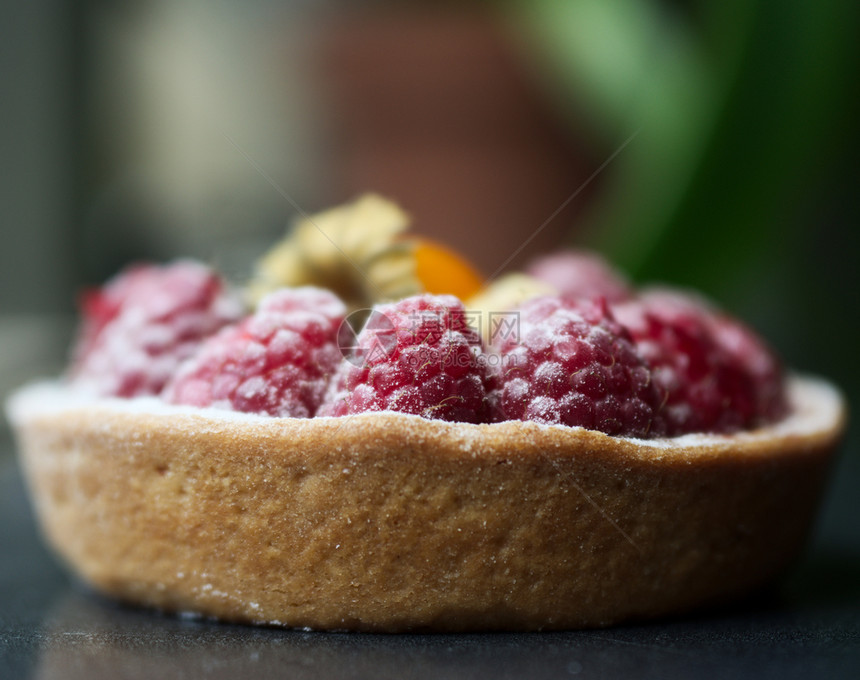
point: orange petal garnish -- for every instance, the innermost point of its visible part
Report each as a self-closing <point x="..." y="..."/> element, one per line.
<point x="442" y="271"/>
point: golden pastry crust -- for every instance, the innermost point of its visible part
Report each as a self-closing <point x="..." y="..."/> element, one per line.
<point x="390" y="522"/>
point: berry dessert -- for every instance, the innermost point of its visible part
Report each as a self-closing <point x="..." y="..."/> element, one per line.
<point x="277" y="361"/>
<point x="574" y="365"/>
<point x="416" y="356"/>
<point x="716" y="375"/>
<point x="140" y="326"/>
<point x="360" y="449"/>
<point x="578" y="274"/>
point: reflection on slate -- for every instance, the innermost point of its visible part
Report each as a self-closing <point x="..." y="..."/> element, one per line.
<point x="87" y="637"/>
<point x="49" y="629"/>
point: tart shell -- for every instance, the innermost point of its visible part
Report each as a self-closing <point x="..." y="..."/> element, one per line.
<point x="390" y="522"/>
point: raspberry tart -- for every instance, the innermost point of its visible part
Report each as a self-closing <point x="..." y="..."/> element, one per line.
<point x="615" y="455"/>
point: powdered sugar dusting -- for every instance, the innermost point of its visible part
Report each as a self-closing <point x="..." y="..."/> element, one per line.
<point x="277" y="361"/>
<point x="418" y="356"/>
<point x="574" y="366"/>
<point x="143" y="323"/>
<point x="816" y="407"/>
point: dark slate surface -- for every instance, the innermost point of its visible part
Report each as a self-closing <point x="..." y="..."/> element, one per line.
<point x="808" y="626"/>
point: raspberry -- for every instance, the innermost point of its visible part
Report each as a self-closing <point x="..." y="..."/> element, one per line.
<point x="142" y="324"/>
<point x="574" y="365"/>
<point x="717" y="375"/>
<point x="276" y="362"/>
<point x="415" y="356"/>
<point x="579" y="274"/>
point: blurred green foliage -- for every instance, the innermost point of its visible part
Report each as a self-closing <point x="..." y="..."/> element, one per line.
<point x="738" y="108"/>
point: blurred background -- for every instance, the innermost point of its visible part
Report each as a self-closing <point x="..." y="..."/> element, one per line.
<point x="711" y="145"/>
